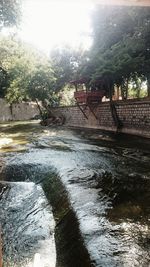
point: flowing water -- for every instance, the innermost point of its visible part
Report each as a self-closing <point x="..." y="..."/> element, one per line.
<point x="73" y="198"/>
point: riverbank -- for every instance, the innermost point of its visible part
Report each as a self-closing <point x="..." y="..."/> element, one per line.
<point x="129" y="117"/>
<point x="133" y="117"/>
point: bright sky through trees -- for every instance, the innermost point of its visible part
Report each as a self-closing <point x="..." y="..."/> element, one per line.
<point x="47" y="23"/>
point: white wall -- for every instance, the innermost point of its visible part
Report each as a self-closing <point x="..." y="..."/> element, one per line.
<point x="22" y="111"/>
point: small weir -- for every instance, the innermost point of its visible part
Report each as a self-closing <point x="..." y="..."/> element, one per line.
<point x="68" y="199"/>
<point x="27" y="226"/>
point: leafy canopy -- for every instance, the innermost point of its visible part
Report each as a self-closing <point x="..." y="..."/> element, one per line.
<point x="28" y="72"/>
<point x="9" y="13"/>
<point x="121" y="45"/>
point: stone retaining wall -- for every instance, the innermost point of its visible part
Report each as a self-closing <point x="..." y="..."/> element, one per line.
<point x="17" y="112"/>
<point x="133" y="115"/>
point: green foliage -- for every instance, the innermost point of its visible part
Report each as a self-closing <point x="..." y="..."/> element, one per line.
<point x="66" y="96"/>
<point x="61" y="63"/>
<point x="121" y="46"/>
<point x="120" y="56"/>
<point x="29" y="73"/>
<point x="9" y="13"/>
<point x="137" y="88"/>
<point x="65" y="64"/>
<point x="41" y="83"/>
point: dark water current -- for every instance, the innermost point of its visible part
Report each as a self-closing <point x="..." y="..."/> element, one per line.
<point x="73" y="198"/>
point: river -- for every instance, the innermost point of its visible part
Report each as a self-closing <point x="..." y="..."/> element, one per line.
<point x="73" y="198"/>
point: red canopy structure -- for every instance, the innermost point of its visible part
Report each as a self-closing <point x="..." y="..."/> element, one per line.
<point x="90" y="97"/>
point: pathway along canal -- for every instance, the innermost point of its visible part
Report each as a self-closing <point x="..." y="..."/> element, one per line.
<point x="73" y="199"/>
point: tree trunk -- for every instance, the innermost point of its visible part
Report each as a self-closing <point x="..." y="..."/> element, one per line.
<point x="126" y="92"/>
<point x="117" y="87"/>
<point x="110" y="93"/>
<point x="40" y="110"/>
<point x="127" y="88"/>
<point x="11" y="109"/>
<point x="148" y="87"/>
<point x="111" y="87"/>
<point x="49" y="112"/>
<point x="122" y="93"/>
<point x="138" y="92"/>
<point x="76" y="87"/>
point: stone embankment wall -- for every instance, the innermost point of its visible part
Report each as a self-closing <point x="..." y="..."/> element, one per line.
<point x="16" y="112"/>
<point x="133" y="115"/>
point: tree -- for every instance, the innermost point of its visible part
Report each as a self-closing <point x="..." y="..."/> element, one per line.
<point x="65" y="64"/>
<point x="17" y="60"/>
<point x="9" y="13"/>
<point x="121" y="50"/>
<point x="41" y="85"/>
<point x="29" y="73"/>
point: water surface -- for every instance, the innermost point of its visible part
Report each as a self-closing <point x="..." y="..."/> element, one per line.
<point x="104" y="192"/>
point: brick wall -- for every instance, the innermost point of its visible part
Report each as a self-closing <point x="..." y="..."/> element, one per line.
<point x="133" y="115"/>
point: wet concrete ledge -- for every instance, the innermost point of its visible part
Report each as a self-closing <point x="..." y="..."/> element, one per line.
<point x="27" y="225"/>
<point x="69" y="242"/>
<point x="70" y="248"/>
